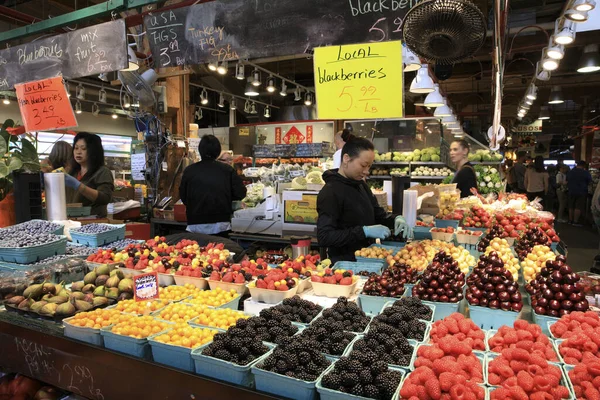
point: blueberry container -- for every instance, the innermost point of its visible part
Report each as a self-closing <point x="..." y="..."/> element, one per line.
<point x="87" y="335"/>
<point x="126" y="344"/>
<point x="487" y="318"/>
<point x="330" y="394"/>
<point x="224" y="370"/>
<point x="58" y="231"/>
<point x="284" y="386"/>
<point x="32" y="254"/>
<point x="99" y="239"/>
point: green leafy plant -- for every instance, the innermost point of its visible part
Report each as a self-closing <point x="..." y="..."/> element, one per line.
<point x="17" y="153"/>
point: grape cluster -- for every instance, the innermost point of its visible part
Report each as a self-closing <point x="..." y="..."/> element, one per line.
<point x="95" y="228"/>
<point x="119" y="244"/>
<point x="37" y="227"/>
<point x="24" y="239"/>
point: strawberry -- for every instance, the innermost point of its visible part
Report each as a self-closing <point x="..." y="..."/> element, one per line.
<point x="283" y="288"/>
<point x="316" y="278"/>
<point x="346" y="281"/>
<point x="228" y="277"/>
<point x="271" y="286"/>
<point x="240" y="279"/>
<point x="329" y="279"/>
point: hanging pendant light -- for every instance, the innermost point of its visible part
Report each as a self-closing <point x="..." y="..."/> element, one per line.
<point x="410" y="60"/>
<point x="198" y="114"/>
<point x="223" y="68"/>
<point x="584" y="5"/>
<point x="212" y="65"/>
<point x="544" y="113"/>
<point x="297" y="94"/>
<point x="6" y="100"/>
<point x="267" y="112"/>
<point x="576" y="16"/>
<point x="253" y="108"/>
<point x="256" y="77"/>
<point x="541" y="74"/>
<point x="443" y="111"/>
<point x="434" y="99"/>
<point x="77" y="107"/>
<point x="548" y="63"/>
<point x="566" y="34"/>
<point x="555" y="51"/>
<point x="531" y="92"/>
<point x="102" y="95"/>
<point x="80" y="92"/>
<point x="204" y="97"/>
<point x="251" y="90"/>
<point x="271" y="84"/>
<point x="283" y="91"/>
<point x="422" y="83"/>
<point x="590" y="59"/>
<point x="221" y="102"/>
<point x="308" y="99"/>
<point x="232" y="104"/>
<point x="556" y="96"/>
<point x="240" y="73"/>
<point x="95" y="109"/>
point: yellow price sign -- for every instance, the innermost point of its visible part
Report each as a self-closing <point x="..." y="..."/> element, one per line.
<point x="359" y="81"/>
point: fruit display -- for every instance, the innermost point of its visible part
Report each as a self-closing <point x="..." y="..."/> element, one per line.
<point x="491" y="285"/>
<point x="83" y="251"/>
<point x="380" y="171"/>
<point x="391" y="281"/>
<point x="461" y="328"/>
<point x="381" y="253"/>
<point x="176" y="293"/>
<point x="426" y="224"/>
<point x="448" y="229"/>
<point x="428" y="383"/>
<point x="488" y="180"/>
<point x="556" y="290"/>
<point x="535" y="260"/>
<point x="575" y="322"/>
<point x="454" y="215"/>
<point x="102" y="282"/>
<point x="97" y="319"/>
<point x="276" y="279"/>
<point x="179" y="312"/>
<point x="585" y="379"/>
<point x="21" y="239"/>
<point x="338" y="277"/>
<point x="272" y="257"/>
<point x="138" y="327"/>
<point x="405" y="320"/>
<point x="442" y="281"/>
<point x="400" y="171"/>
<point x="326" y="338"/>
<point x="21" y="387"/>
<point x="495" y="231"/>
<point x="344" y="315"/>
<point x="427" y="154"/>
<point x="33" y="227"/>
<point x="120" y="244"/>
<point x="524" y="336"/>
<point x="186" y="336"/>
<point x="449" y="354"/>
<point x="95" y="228"/>
<point x="477" y="217"/>
<point x="419" y="254"/>
<point x="503" y="251"/>
<point x="297" y="358"/>
<point x="140" y="307"/>
<point x="236" y="345"/>
<point x="219" y="318"/>
<point x="102" y="256"/>
<point x="580" y="348"/>
<point x="363" y="374"/>
<point x="297" y="309"/>
<point x="529" y="240"/>
<point x="212" y="298"/>
<point x="485" y="155"/>
<point x="388" y="343"/>
<point x="270" y="326"/>
<point x="447" y="200"/>
<point x="230" y="276"/>
<point x="521" y="374"/>
<point x="428" y="171"/>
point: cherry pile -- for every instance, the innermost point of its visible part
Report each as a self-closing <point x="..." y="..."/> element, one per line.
<point x="528" y="240"/>
<point x="495" y="232"/>
<point x="442" y="280"/>
<point x="391" y="282"/>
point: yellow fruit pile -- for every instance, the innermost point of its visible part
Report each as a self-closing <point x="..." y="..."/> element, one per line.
<point x="176" y="293"/>
<point x="179" y="312"/>
<point x="219" y="318"/>
<point x="214" y="298"/>
<point x="374" y="252"/>
<point x="140" y="307"/>
<point x="511" y="262"/>
<point x="186" y="336"/>
<point x="536" y="260"/>
<point x="139" y="327"/>
<point x="97" y="319"/>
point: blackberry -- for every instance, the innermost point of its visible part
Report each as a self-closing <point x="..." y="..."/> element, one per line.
<point x="281" y="366"/>
<point x="222" y="355"/>
<point x="235" y="345"/>
<point x="395" y="319"/>
<point x="365" y="377"/>
<point x="257" y="348"/>
<point x="360" y="345"/>
<point x="208" y="351"/>
<point x="235" y="331"/>
<point x="405" y="347"/>
<point x="342" y="364"/>
<point x="321" y="360"/>
<point x="313" y="368"/>
<point x="371" y="391"/>
<point x="357" y="390"/>
<point x="389" y="344"/>
<point x="390" y="383"/>
<point x="241" y="323"/>
<point x="243" y="353"/>
<point x="303" y="376"/>
<point x="269" y="363"/>
<point x="337" y="349"/>
<point x="396" y="355"/>
<point x="355" y="366"/>
<point x="337" y="336"/>
<point x="369" y="358"/>
<point x="332" y="381"/>
<point x="304" y="358"/>
<point x="372" y="344"/>
<point x="350" y="379"/>
<point x="378" y="367"/>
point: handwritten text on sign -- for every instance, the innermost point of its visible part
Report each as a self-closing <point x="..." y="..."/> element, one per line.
<point x="44" y="105"/>
<point x="359" y="81"/>
<point x="145" y="286"/>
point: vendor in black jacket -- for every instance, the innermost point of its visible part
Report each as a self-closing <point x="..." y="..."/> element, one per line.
<point x="349" y="216"/>
<point x="208" y="188"/>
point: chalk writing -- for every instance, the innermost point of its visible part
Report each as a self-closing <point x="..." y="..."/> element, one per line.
<point x="33" y="53"/>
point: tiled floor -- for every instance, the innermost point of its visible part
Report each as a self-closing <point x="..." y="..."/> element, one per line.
<point x="582" y="245"/>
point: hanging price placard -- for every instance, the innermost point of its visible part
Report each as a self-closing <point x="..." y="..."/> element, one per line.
<point x="359" y="81"/>
<point x="44" y="105"/>
<point x="145" y="286"/>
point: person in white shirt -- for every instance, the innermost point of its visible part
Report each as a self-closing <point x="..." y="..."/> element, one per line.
<point x="340" y="140"/>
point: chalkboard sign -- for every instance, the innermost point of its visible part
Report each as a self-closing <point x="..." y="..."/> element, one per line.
<point x="84" y="52"/>
<point x="233" y="29"/>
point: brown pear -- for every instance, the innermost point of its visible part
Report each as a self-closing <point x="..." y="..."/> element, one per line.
<point x="113" y="281"/>
<point x="49" y="309"/>
<point x="77" y="286"/>
<point x="34" y="291"/>
<point x="89" y="288"/>
<point x="90" y="278"/>
<point x="37" y="306"/>
<point x="66" y="309"/>
<point x="81" y="305"/>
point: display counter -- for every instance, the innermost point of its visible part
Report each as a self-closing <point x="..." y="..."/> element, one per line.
<point x="38" y="349"/>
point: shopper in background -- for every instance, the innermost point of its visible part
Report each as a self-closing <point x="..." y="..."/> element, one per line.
<point x="226" y="157"/>
<point x="208" y="189"/>
<point x="508" y="174"/>
<point x="562" y="191"/>
<point x="340" y="140"/>
<point x="91" y="180"/>
<point x="551" y="195"/>
<point x="465" y="177"/>
<point x="578" y="180"/>
<point x="536" y="180"/>
<point x="349" y="214"/>
<point x="518" y="173"/>
<point x="61" y="156"/>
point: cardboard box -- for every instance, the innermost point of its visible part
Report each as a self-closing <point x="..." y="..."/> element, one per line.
<point x="138" y="231"/>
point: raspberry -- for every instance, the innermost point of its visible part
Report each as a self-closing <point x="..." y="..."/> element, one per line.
<point x="524" y="335"/>
<point x="542" y="383"/>
<point x="511" y="338"/>
<point x="452" y="325"/>
<point x="494" y="379"/>
<point x="432" y="387"/>
<point x="518" y="366"/>
<point x="537" y="360"/>
<point x="541" y="396"/>
<point x="525" y="381"/>
<point x="465" y="325"/>
<point x="408" y="390"/>
<point x="517" y="393"/>
<point x="520" y="355"/>
<point x="592" y="394"/>
<point x="446" y="381"/>
<point x="521" y="324"/>
<point x="561" y="392"/>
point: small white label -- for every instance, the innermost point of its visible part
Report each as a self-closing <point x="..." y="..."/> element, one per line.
<point x="165" y="166"/>
<point x="180" y="143"/>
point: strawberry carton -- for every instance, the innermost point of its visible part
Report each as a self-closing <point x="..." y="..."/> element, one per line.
<point x="274" y="286"/>
<point x="336" y="283"/>
<point x="445" y="234"/>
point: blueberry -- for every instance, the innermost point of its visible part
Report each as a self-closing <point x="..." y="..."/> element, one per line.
<point x="119" y="245"/>
<point x="94" y="228"/>
<point x="19" y="239"/>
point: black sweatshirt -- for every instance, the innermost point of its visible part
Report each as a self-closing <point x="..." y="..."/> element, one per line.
<point x="207" y="189"/>
<point x="344" y="207"/>
<point x="465" y="180"/>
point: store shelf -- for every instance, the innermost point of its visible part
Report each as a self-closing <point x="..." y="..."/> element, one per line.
<point x="486" y="162"/>
<point x="391" y="163"/>
<point x="427" y="178"/>
<point x="380" y="177"/>
<point x="427" y="163"/>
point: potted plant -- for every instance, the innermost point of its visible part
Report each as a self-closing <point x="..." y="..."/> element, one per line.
<point x="17" y="153"/>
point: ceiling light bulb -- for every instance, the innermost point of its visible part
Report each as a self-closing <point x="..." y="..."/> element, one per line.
<point x="549" y="64"/>
<point x="297" y="94"/>
<point x="411" y="61"/>
<point x="247" y="106"/>
<point x="267" y="112"/>
<point x="6" y="100"/>
<point x="256" y="77"/>
<point x="240" y="73"/>
<point x="435" y="98"/>
<point x="251" y="90"/>
<point x="556" y="96"/>
<point x="544" y="113"/>
<point x="576" y="16"/>
<point x="77" y="107"/>
<point x="528" y="101"/>
<point x="221" y="102"/>
<point x="443" y="111"/>
<point x="584" y="5"/>
<point x="204" y="97"/>
<point x="541" y="74"/>
<point x="555" y="51"/>
<point x="308" y="99"/>
<point x="212" y="65"/>
<point x="590" y="59"/>
<point x="223" y="68"/>
<point x="114" y="116"/>
<point x="102" y="95"/>
<point x="253" y="108"/>
<point x="566" y="34"/>
<point x="283" y="91"/>
<point x="271" y="84"/>
<point x="531" y="92"/>
<point x="232" y="104"/>
<point x="95" y="109"/>
<point x="422" y="83"/>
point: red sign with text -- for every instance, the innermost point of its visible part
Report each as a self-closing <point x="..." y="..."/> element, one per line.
<point x="44" y="105"/>
<point x="145" y="286"/>
<point x="293" y="136"/>
<point x="309" y="134"/>
<point x="277" y="135"/>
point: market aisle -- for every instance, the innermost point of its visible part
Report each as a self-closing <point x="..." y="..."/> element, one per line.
<point x="582" y="244"/>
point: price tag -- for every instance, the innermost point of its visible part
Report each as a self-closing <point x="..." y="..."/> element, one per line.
<point x="295" y="174"/>
<point x="145" y="286"/>
<point x="359" y="81"/>
<point x="44" y="105"/>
